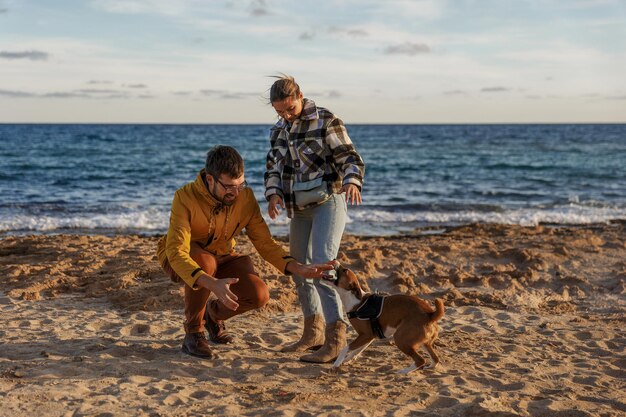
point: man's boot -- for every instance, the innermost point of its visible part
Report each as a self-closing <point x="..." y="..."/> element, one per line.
<point x="215" y="328"/>
<point x="312" y="335"/>
<point x="335" y="341"/>
<point x="195" y="344"/>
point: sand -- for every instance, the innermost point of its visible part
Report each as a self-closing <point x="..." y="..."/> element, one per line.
<point x="534" y="326"/>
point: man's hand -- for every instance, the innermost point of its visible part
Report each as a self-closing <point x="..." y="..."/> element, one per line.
<point x="272" y="207"/>
<point x="353" y="195"/>
<point x="308" y="271"/>
<point x="221" y="289"/>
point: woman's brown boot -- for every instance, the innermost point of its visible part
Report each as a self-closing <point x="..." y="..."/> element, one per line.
<point x="312" y="336"/>
<point x="335" y="341"/>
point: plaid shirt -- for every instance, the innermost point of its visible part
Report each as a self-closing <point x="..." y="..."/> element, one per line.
<point x="315" y="145"/>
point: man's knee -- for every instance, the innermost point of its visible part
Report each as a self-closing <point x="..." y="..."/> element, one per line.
<point x="206" y="260"/>
<point x="261" y="295"/>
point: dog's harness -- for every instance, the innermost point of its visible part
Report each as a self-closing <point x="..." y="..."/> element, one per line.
<point x="370" y="309"/>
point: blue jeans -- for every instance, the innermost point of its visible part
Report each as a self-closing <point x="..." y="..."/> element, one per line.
<point x="314" y="237"/>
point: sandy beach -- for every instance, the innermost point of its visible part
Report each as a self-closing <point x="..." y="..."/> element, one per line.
<point x="534" y="326"/>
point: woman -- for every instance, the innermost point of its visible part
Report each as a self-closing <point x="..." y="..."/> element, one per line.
<point x="312" y="172"/>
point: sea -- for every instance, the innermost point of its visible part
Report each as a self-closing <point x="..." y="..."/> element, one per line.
<point x="120" y="179"/>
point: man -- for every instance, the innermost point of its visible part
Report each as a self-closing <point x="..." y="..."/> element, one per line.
<point x="199" y="250"/>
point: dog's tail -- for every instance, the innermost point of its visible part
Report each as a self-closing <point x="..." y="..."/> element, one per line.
<point x="439" y="310"/>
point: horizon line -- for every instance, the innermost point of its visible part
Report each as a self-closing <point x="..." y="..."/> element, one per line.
<point x="353" y="124"/>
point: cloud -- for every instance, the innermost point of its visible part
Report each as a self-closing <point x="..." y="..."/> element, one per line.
<point x="306" y="36"/>
<point x="227" y="95"/>
<point x="88" y="94"/>
<point x="136" y="86"/>
<point x="99" y="82"/>
<point x="32" y="55"/>
<point x="98" y="91"/>
<point x="616" y="97"/>
<point x="407" y="48"/>
<point x="327" y="94"/>
<point x="81" y="93"/>
<point x="62" y="94"/>
<point x="164" y="7"/>
<point x="497" y="89"/>
<point x="258" y="8"/>
<point x="455" y="93"/>
<point x="3" y="10"/>
<point x="16" y="94"/>
<point x="337" y="31"/>
<point x="355" y="33"/>
<point x="182" y="93"/>
<point x="207" y="92"/>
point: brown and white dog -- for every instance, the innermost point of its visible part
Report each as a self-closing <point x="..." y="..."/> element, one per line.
<point x="410" y="320"/>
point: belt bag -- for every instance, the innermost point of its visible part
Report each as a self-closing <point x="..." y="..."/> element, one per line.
<point x="311" y="192"/>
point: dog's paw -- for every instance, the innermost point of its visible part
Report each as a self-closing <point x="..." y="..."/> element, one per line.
<point x="336" y="370"/>
<point x="431" y="366"/>
<point x="409" y="369"/>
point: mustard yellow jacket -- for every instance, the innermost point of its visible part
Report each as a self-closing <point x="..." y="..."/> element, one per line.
<point x="197" y="217"/>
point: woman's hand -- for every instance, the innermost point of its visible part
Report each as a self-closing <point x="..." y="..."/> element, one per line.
<point x="308" y="271"/>
<point x="353" y="194"/>
<point x="272" y="207"/>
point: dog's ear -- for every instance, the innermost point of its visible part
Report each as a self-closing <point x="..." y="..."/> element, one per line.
<point x="351" y="275"/>
<point x="362" y="284"/>
<point x="355" y="285"/>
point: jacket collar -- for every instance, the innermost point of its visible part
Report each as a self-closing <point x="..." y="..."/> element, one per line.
<point x="200" y="185"/>
<point x="309" y="110"/>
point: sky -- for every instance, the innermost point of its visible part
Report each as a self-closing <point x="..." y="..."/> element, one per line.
<point x="368" y="61"/>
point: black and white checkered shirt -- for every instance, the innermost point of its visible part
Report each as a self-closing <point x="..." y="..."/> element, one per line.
<point x="315" y="145"/>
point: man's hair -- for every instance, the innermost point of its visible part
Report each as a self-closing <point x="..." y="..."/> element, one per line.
<point x="223" y="159"/>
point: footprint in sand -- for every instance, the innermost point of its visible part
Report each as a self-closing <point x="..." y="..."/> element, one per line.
<point x="444" y="402"/>
<point x="173" y="400"/>
<point x="152" y="391"/>
<point x="198" y="395"/>
<point x="271" y="339"/>
<point x="470" y="329"/>
<point x="139" y="329"/>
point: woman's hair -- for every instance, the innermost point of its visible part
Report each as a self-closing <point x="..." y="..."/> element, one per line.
<point x="223" y="159"/>
<point x="284" y="87"/>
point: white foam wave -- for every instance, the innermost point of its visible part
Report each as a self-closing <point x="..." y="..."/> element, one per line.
<point x="134" y="220"/>
<point x="156" y="220"/>
<point x="524" y="217"/>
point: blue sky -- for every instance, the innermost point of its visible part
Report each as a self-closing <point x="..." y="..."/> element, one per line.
<point x="369" y="61"/>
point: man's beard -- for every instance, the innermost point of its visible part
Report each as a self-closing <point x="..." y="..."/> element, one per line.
<point x="223" y="200"/>
<point x="228" y="202"/>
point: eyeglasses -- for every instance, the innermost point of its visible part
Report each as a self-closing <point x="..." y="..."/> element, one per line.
<point x="232" y="188"/>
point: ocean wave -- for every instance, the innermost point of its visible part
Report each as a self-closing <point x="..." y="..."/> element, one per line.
<point x="570" y="214"/>
<point x="137" y="220"/>
<point x="361" y="220"/>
